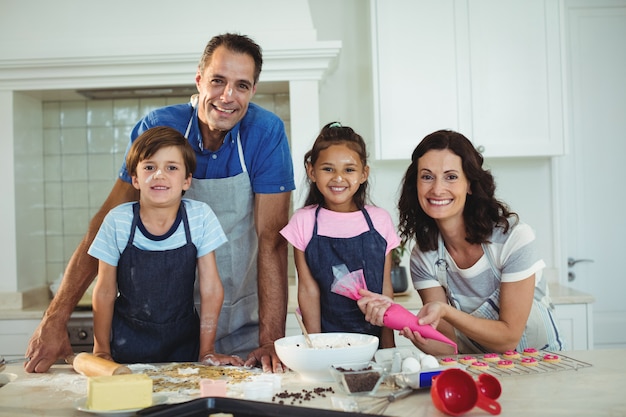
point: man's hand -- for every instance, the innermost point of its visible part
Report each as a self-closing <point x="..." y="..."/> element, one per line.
<point x="49" y="343"/>
<point x="266" y="357"/>
<point x="218" y="359"/>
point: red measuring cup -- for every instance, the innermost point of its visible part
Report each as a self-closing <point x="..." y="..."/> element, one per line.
<point x="489" y="386"/>
<point x="455" y="392"/>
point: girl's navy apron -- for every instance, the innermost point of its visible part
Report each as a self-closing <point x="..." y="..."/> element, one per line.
<point x="366" y="252"/>
<point x="155" y="319"/>
<point x="232" y="201"/>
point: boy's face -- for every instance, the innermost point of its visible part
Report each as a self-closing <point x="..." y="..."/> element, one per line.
<point x="162" y="178"/>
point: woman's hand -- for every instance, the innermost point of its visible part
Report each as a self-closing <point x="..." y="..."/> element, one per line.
<point x="429" y="346"/>
<point x="216" y="359"/>
<point x="431" y="313"/>
<point x="374" y="306"/>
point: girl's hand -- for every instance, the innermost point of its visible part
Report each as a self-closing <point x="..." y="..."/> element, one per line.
<point x="373" y="306"/>
<point x="216" y="359"/>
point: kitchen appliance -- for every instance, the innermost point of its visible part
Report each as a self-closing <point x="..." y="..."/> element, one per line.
<point x="80" y="330"/>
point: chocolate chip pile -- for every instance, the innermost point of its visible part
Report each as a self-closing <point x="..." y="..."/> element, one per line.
<point x="301" y="396"/>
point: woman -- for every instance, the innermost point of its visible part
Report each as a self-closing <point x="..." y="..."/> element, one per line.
<point x="474" y="265"/>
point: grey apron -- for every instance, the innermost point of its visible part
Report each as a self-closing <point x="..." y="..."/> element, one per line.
<point x="232" y="200"/>
<point x="541" y="330"/>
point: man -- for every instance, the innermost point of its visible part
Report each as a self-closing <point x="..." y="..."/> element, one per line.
<point x="245" y="174"/>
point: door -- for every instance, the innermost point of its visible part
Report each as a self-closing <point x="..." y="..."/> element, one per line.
<point x="592" y="174"/>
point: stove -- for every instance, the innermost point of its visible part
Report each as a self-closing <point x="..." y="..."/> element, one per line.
<point x="80" y="330"/>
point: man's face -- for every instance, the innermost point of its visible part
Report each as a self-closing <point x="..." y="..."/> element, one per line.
<point x="225" y="88"/>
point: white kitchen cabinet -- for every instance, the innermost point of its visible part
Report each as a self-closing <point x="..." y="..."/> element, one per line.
<point x="576" y="325"/>
<point x="490" y="69"/>
<point x="14" y="336"/>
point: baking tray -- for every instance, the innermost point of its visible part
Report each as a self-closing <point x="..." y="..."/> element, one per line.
<point x="203" y="407"/>
<point x="566" y="364"/>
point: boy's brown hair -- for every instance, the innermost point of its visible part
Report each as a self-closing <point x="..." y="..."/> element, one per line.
<point x="150" y="141"/>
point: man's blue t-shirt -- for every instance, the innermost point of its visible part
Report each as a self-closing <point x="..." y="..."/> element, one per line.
<point x="263" y="139"/>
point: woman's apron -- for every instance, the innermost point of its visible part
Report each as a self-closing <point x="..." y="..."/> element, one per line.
<point x="366" y="252"/>
<point x="154" y="319"/>
<point x="541" y="331"/>
<point x="232" y="200"/>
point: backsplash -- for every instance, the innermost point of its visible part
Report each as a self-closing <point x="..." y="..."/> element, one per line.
<point x="84" y="144"/>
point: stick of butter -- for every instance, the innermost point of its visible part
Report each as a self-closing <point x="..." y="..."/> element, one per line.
<point x="119" y="392"/>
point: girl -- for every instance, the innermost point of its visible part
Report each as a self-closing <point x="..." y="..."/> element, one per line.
<point x="336" y="228"/>
<point x="475" y="265"/>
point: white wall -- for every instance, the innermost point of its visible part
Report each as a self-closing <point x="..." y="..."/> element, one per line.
<point x="43" y="29"/>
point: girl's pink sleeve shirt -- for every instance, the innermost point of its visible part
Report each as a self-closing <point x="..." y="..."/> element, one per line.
<point x="299" y="230"/>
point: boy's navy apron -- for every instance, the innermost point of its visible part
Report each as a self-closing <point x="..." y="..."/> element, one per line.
<point x="232" y="201"/>
<point x="366" y="252"/>
<point x="155" y="319"/>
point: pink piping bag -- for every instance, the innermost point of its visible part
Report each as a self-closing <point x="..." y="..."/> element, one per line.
<point x="397" y="317"/>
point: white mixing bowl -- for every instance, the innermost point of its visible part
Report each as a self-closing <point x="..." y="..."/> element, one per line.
<point x="313" y="364"/>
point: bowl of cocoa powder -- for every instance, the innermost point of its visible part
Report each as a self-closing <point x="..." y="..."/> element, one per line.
<point x="358" y="378"/>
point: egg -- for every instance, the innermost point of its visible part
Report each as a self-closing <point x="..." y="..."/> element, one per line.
<point x="429" y="362"/>
<point x="411" y="365"/>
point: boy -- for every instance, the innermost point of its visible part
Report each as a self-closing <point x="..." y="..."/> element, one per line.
<point x="148" y="252"/>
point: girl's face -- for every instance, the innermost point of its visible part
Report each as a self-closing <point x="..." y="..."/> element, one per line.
<point x="442" y="187"/>
<point x="338" y="173"/>
<point x="162" y="178"/>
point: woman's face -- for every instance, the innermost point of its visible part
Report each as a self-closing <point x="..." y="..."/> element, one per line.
<point x="442" y="187"/>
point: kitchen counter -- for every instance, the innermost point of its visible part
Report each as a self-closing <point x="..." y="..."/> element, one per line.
<point x="410" y="299"/>
<point x="588" y="391"/>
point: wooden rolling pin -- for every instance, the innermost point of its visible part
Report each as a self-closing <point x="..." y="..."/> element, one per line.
<point x="90" y="365"/>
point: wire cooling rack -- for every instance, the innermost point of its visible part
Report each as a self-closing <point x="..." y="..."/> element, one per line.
<point x="565" y="364"/>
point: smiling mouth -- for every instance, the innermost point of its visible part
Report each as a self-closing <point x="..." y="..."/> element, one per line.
<point x="222" y="110"/>
<point x="337" y="189"/>
<point x="440" y="202"/>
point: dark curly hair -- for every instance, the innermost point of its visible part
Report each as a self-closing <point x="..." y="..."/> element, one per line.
<point x="336" y="134"/>
<point x="482" y="210"/>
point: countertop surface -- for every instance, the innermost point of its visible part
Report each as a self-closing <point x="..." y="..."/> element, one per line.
<point x="595" y="390"/>
<point x="410" y="299"/>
